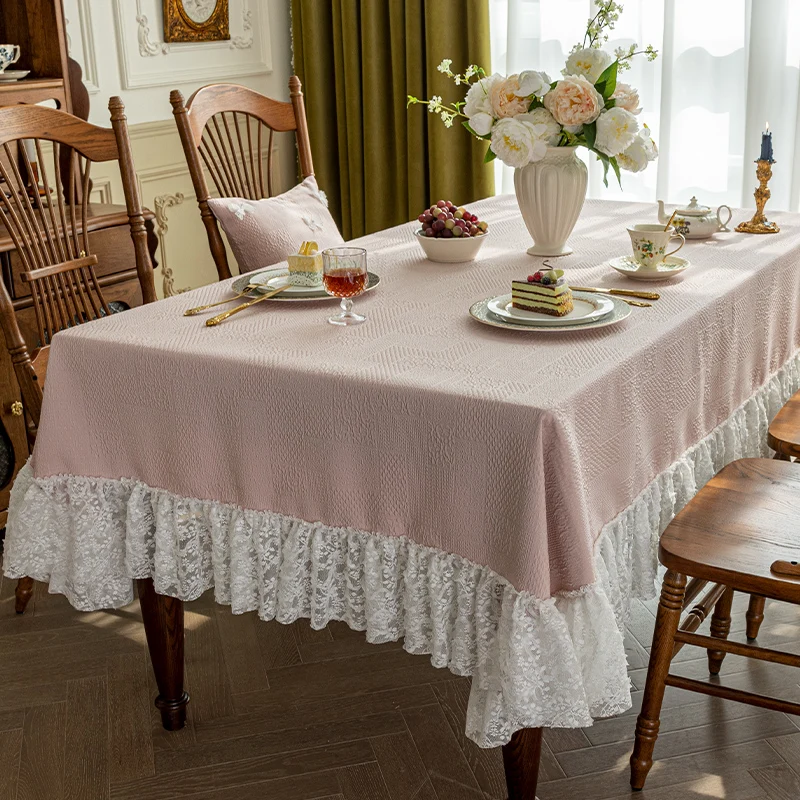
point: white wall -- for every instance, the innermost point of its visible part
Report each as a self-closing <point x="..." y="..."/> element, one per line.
<point x="119" y="44"/>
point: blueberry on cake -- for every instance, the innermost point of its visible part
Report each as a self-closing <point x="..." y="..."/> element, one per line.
<point x="545" y="292"/>
<point x="305" y="267"/>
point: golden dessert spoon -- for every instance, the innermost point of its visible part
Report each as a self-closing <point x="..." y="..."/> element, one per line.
<point x="222" y="317"/>
<point x="247" y="289"/>
<point x="621" y="292"/>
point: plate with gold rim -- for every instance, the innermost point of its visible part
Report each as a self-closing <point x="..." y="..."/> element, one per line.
<point x="273" y="278"/>
<point x="587" y="307"/>
<point x="480" y="312"/>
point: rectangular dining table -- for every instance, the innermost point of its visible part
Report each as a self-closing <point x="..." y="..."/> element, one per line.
<point x="492" y="497"/>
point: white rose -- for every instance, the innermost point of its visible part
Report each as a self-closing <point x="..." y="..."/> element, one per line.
<point x="589" y="61"/>
<point x="640" y="153"/>
<point x="516" y="143"/>
<point x="616" y="131"/>
<point x="533" y="83"/>
<point x="479" y="96"/>
<point x="541" y="117"/>
<point x="481" y="123"/>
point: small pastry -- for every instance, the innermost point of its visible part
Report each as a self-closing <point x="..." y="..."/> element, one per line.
<point x="305" y="267"/>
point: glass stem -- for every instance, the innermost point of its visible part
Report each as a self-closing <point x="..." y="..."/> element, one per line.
<point x="346" y="306"/>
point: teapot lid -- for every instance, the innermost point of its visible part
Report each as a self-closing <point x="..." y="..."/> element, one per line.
<point x="694" y="209"/>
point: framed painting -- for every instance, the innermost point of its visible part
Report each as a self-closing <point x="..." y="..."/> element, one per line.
<point x="196" y="20"/>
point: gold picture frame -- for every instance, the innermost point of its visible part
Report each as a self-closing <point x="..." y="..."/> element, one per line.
<point x="196" y="20"/>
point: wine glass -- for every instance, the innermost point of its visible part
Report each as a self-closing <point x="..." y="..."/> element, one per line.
<point x="344" y="274"/>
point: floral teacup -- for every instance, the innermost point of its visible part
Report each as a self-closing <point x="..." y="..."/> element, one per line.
<point x="650" y="243"/>
<point x="9" y="53"/>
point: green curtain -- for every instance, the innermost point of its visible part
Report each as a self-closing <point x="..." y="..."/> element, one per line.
<point x="379" y="163"/>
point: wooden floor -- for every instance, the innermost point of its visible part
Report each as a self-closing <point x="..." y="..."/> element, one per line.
<point x="287" y="713"/>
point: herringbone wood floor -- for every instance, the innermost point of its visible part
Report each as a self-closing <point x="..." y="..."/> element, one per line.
<point x="288" y="713"/>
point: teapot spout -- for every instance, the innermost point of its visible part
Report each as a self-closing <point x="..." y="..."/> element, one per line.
<point x="663" y="217"/>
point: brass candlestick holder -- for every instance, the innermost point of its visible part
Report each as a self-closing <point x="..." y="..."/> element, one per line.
<point x="759" y="222"/>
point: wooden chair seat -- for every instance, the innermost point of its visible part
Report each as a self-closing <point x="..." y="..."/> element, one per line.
<point x="784" y="431"/>
<point x="730" y="536"/>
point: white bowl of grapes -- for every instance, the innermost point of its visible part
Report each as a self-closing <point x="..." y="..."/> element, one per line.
<point x="450" y="233"/>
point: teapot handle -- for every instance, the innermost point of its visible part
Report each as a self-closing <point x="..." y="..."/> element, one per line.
<point x="723" y="226"/>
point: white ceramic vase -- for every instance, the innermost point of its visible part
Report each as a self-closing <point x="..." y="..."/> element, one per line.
<point x="550" y="194"/>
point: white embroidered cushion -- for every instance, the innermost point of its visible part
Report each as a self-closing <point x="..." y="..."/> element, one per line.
<point x="264" y="232"/>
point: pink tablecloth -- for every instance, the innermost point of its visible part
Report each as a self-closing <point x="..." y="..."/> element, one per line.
<point x="512" y="451"/>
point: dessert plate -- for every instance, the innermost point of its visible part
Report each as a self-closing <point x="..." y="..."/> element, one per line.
<point x="273" y="278"/>
<point x="480" y="311"/>
<point x="668" y="268"/>
<point x="587" y="308"/>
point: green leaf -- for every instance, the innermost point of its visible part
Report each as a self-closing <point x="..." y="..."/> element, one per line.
<point x="590" y="133"/>
<point x="535" y="103"/>
<point x="610" y="103"/>
<point x="606" y="163"/>
<point x="615" y="167"/>
<point x="607" y="82"/>
<point x="490" y="156"/>
<point x="466" y="124"/>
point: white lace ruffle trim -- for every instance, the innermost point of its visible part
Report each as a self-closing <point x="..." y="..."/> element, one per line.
<point x="552" y="663"/>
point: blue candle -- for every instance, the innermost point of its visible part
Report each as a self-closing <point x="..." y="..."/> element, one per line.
<point x="766" y="145"/>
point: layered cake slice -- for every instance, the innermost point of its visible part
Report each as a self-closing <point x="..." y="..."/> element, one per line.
<point x="545" y="292"/>
<point x="305" y="266"/>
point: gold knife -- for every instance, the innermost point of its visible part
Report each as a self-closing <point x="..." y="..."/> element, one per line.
<point x="222" y="317"/>
<point x="623" y="292"/>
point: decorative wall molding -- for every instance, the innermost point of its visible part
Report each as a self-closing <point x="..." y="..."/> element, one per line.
<point x="139" y="44"/>
<point x="246" y="39"/>
<point x="88" y="58"/>
<point x="146" y="47"/>
<point x="149" y="130"/>
<point x="160" y="205"/>
<point x="101" y="191"/>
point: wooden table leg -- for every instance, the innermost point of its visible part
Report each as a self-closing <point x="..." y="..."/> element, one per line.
<point x="521" y="762"/>
<point x="163" y="626"/>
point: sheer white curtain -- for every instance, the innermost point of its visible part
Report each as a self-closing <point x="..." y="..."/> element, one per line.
<point x="725" y="67"/>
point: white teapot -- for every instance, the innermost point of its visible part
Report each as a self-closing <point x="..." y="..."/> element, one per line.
<point x="695" y="221"/>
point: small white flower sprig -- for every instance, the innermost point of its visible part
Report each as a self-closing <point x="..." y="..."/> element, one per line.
<point x="523" y="114"/>
<point x="597" y="32"/>
<point x="448" y="113"/>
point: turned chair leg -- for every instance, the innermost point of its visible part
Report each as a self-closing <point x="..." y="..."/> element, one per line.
<point x="163" y="626"/>
<point x="720" y="628"/>
<point x="521" y="762"/>
<point x="755" y="615"/>
<point x="23" y="594"/>
<point x="647" y="724"/>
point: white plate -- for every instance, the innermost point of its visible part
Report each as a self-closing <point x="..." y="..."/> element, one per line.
<point x="272" y="279"/>
<point x="668" y="268"/>
<point x="588" y="308"/>
<point x="12" y="75"/>
<point x="480" y="311"/>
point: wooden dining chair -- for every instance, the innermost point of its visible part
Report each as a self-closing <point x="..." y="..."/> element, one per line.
<point x="222" y="128"/>
<point x="44" y="208"/>
<point x="783" y="437"/>
<point x="741" y="532"/>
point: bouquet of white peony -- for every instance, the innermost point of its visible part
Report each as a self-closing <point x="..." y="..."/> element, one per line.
<point x="522" y="115"/>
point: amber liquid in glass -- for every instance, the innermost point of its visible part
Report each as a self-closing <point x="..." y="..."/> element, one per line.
<point x="344" y="282"/>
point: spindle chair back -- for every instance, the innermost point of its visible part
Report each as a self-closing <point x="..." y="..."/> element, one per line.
<point x="224" y="129"/>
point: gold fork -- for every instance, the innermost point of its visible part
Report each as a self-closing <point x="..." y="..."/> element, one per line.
<point x="249" y="288"/>
<point x="222" y="317"/>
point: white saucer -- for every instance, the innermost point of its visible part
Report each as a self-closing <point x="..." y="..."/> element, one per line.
<point x="668" y="268"/>
<point x="12" y="75"/>
<point x="587" y="308"/>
